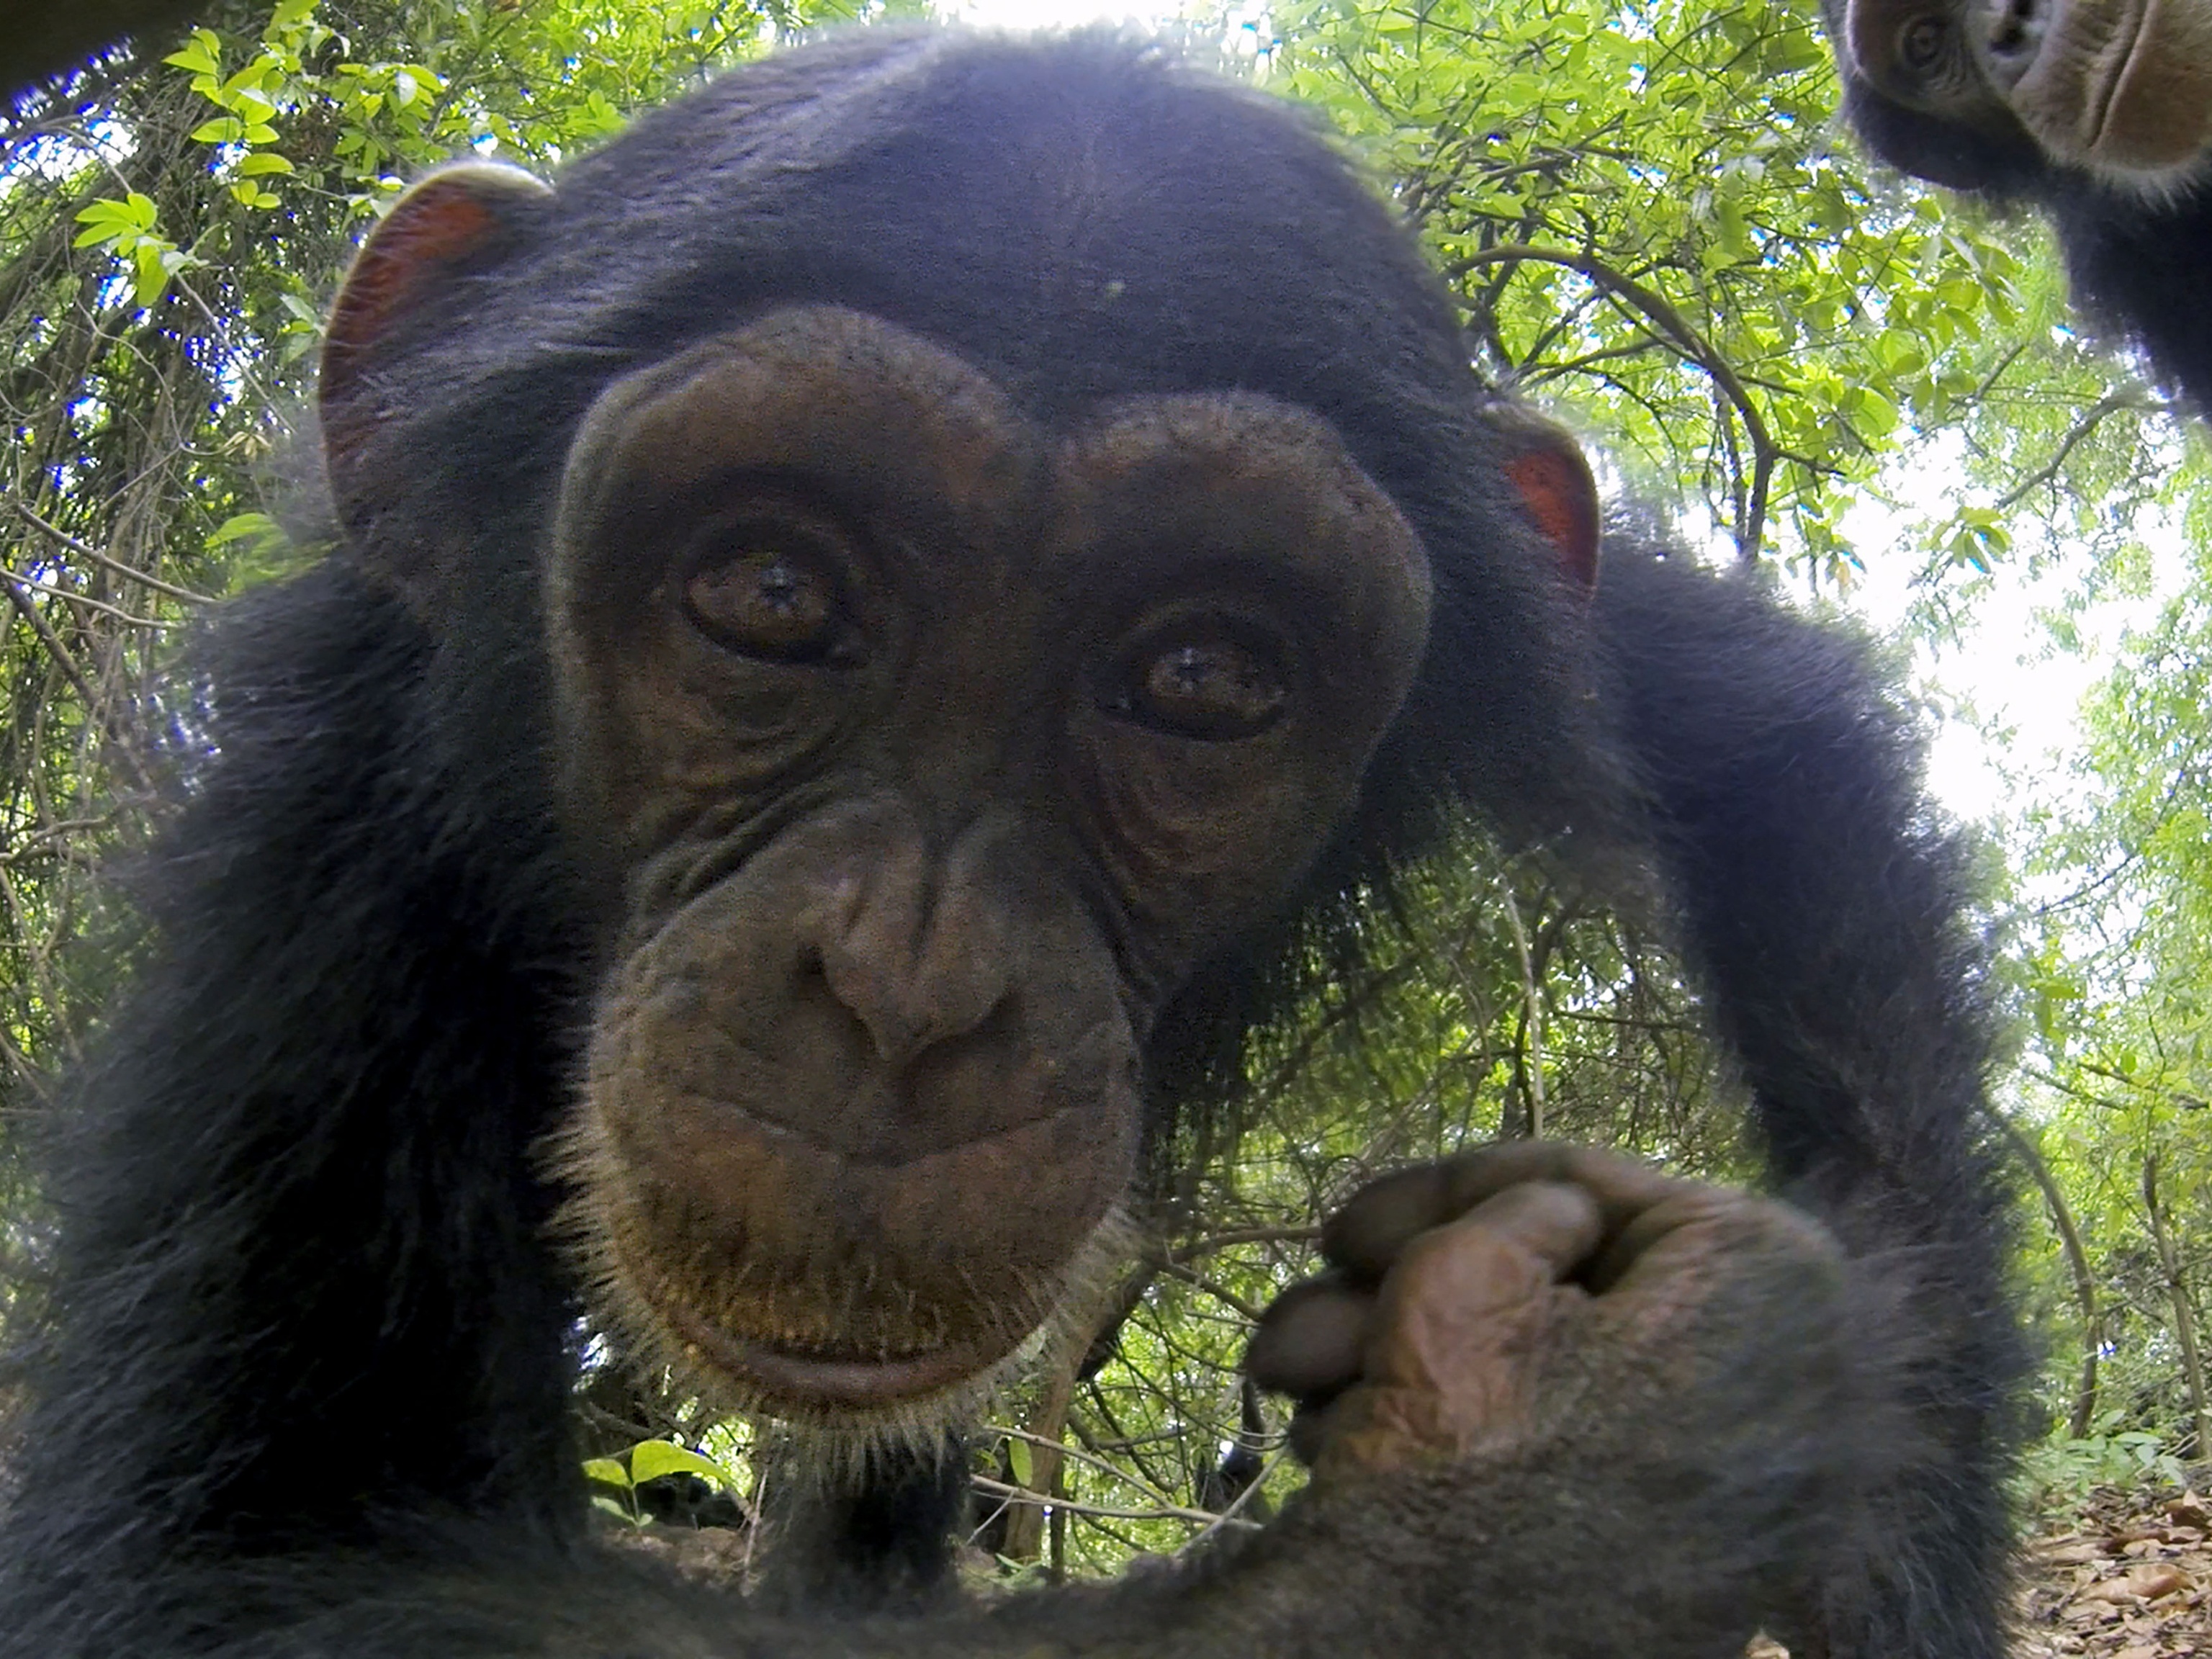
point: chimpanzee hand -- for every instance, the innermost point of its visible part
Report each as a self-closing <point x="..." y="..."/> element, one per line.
<point x="1651" y="1375"/>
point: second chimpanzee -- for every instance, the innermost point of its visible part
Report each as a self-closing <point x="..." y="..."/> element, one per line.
<point x="2100" y="112"/>
<point x="38" y="38"/>
<point x="870" y="616"/>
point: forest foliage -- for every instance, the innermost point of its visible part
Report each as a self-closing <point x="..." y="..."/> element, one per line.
<point x="1655" y="228"/>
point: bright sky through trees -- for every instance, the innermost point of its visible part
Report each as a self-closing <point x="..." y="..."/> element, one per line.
<point x="1050" y="13"/>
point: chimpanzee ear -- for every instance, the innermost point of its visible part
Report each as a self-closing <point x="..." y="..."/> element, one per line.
<point x="457" y="219"/>
<point x="1547" y="469"/>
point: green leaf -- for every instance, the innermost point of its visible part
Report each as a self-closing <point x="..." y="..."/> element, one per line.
<point x="262" y="161"/>
<point x="240" y="526"/>
<point x="1020" y="1460"/>
<point x="197" y="54"/>
<point x="243" y="90"/>
<point x="650" y="1459"/>
<point x="608" y="1471"/>
<point x="133" y="212"/>
<point x="153" y="273"/>
<point x="1736" y="236"/>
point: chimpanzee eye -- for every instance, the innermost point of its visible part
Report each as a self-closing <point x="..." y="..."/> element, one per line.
<point x="1922" y="44"/>
<point x="768" y="590"/>
<point x="1208" y="686"/>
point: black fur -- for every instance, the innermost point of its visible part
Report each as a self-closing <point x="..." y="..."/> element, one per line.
<point x="2138" y="268"/>
<point x="38" y="38"/>
<point x="1823" y="905"/>
<point x="307" y="1389"/>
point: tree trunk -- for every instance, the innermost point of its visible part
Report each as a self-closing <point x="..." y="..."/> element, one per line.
<point x="1025" y="1523"/>
<point x="2077" y="1263"/>
<point x="2184" y="1317"/>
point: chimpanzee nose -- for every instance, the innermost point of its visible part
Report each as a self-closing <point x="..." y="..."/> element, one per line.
<point x="917" y="945"/>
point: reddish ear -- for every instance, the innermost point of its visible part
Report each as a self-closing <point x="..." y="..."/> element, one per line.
<point x="457" y="217"/>
<point x="1547" y="469"/>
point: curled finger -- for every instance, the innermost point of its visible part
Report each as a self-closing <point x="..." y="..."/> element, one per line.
<point x="1309" y="1341"/>
<point x="1461" y="1337"/>
<point x="1366" y="1236"/>
<point x="1375" y="1225"/>
<point x="1465" y="1298"/>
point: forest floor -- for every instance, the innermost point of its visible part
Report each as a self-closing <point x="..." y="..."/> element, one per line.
<point x="2124" y="1574"/>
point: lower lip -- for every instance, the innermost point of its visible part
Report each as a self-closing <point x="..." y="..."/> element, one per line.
<point x="809" y="1382"/>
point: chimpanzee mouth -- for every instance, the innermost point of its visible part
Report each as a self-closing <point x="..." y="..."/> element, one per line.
<point x="790" y="1380"/>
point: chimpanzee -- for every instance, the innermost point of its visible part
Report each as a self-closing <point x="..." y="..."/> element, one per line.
<point x="1242" y="1463"/>
<point x="2099" y="111"/>
<point x="39" y="38"/>
<point x="872" y="621"/>
<point x="685" y="1500"/>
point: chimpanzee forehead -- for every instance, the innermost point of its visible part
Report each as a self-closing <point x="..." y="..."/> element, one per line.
<point x="1079" y="218"/>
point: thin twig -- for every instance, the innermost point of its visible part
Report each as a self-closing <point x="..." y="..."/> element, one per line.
<point x="2091" y="419"/>
<point x="107" y="560"/>
<point x="85" y="600"/>
<point x="999" y="1489"/>
<point x="1700" y="350"/>
<point x="1228" y="1516"/>
<point x="1081" y="1456"/>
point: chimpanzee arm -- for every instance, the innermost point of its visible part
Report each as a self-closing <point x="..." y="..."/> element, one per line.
<point x="1604" y="1412"/>
<point x="1829" y="912"/>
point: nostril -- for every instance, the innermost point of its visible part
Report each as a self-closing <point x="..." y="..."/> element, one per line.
<point x="929" y="1022"/>
<point x="877" y="1001"/>
<point x="1002" y="1020"/>
<point x="2013" y="37"/>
